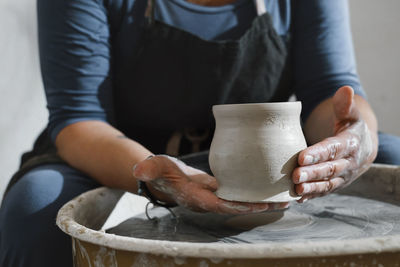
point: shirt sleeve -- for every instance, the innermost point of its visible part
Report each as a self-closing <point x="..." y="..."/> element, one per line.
<point x="323" y="54"/>
<point x="75" y="61"/>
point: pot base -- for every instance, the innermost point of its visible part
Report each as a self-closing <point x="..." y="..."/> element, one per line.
<point x="285" y="196"/>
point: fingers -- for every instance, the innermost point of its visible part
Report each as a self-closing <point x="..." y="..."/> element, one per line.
<point x="319" y="188"/>
<point x="329" y="149"/>
<point x="197" y="175"/>
<point x="321" y="171"/>
<point x="231" y="207"/>
<point x="333" y="148"/>
<point x="208" y="182"/>
<point x="150" y="169"/>
<point x="199" y="199"/>
<point x="344" y="104"/>
<point x="162" y="166"/>
<point x="172" y="169"/>
<point x="308" y="197"/>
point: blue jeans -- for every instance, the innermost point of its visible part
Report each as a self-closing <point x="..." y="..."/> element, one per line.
<point x="28" y="233"/>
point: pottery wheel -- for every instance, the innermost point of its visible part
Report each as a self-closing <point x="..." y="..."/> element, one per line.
<point x="334" y="217"/>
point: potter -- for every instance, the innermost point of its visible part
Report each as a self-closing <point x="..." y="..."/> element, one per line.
<point x="255" y="149"/>
<point x="143" y="90"/>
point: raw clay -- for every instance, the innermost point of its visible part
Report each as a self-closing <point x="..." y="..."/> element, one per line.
<point x="255" y="149"/>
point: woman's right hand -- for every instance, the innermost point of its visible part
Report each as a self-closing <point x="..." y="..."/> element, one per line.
<point x="172" y="181"/>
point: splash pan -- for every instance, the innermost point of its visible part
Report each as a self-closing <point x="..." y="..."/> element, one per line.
<point x="359" y="225"/>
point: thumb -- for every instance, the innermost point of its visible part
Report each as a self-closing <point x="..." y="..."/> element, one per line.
<point x="344" y="105"/>
<point x="148" y="169"/>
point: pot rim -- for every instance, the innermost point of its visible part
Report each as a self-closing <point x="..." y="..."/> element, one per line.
<point x="65" y="220"/>
<point x="270" y="106"/>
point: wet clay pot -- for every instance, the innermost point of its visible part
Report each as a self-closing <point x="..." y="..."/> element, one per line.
<point x="255" y="149"/>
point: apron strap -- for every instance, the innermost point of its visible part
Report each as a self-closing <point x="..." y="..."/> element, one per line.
<point x="260" y="7"/>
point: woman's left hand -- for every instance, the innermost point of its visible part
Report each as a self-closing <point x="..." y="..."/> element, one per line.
<point x="171" y="180"/>
<point x="337" y="161"/>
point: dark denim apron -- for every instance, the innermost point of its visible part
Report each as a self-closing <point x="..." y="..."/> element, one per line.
<point x="179" y="77"/>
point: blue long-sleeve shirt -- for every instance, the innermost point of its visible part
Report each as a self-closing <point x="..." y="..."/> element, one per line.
<point x="85" y="45"/>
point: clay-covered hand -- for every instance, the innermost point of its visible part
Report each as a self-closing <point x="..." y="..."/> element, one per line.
<point x="171" y="180"/>
<point x="337" y="161"/>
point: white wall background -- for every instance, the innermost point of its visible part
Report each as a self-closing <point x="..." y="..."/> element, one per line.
<point x="22" y="105"/>
<point x="376" y="34"/>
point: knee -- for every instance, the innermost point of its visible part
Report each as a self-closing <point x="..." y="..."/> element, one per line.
<point x="27" y="221"/>
<point x="389" y="149"/>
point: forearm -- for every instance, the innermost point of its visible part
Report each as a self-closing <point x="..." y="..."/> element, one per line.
<point x="102" y="152"/>
<point x="321" y="122"/>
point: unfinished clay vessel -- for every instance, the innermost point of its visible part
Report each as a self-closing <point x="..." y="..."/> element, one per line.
<point x="255" y="149"/>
